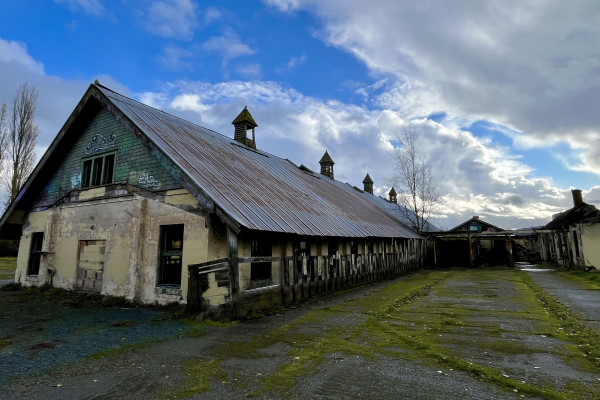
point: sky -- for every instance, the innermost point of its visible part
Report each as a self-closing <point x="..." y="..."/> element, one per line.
<point x="505" y="95"/>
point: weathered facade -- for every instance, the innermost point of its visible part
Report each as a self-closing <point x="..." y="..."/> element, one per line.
<point x="572" y="238"/>
<point x="128" y="199"/>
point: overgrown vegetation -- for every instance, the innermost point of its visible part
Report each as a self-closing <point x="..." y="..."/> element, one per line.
<point x="410" y="328"/>
<point x="8" y="265"/>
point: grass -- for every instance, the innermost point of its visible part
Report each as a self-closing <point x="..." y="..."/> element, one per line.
<point x="117" y="351"/>
<point x="589" y="280"/>
<point x="573" y="325"/>
<point x="8" y="266"/>
<point x="403" y="326"/>
<point x="75" y="299"/>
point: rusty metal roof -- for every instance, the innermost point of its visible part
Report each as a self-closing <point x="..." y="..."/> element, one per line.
<point x="259" y="190"/>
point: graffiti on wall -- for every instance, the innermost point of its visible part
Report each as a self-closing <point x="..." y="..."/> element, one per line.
<point x="147" y="181"/>
<point x="75" y="180"/>
<point x="100" y="143"/>
<point x="165" y="162"/>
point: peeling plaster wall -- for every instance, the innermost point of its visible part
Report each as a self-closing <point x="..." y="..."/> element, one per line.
<point x="590" y="240"/>
<point x="131" y="227"/>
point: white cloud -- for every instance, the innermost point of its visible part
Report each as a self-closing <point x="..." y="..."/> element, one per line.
<point x="480" y="178"/>
<point x="228" y="46"/>
<point x="250" y="70"/>
<point x="171" y="18"/>
<point x="92" y="7"/>
<point x="211" y="14"/>
<point x="16" y="53"/>
<point x="531" y="66"/>
<point x="173" y="58"/>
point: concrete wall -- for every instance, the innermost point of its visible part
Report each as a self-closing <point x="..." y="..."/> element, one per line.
<point x="590" y="238"/>
<point x="130" y="225"/>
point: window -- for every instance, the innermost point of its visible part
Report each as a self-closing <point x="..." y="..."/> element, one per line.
<point x="354" y="247"/>
<point x="171" y="250"/>
<point x="304" y="249"/>
<point x="98" y="171"/>
<point x="35" y="253"/>
<point x="260" y="272"/>
<point x="333" y="248"/>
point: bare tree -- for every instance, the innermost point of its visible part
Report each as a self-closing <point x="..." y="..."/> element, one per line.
<point x="21" y="139"/>
<point x="419" y="191"/>
<point x="3" y="134"/>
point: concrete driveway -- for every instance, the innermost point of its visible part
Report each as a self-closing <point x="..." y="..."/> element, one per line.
<point x="469" y="334"/>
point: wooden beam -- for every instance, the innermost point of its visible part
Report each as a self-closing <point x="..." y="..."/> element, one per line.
<point x="232" y="250"/>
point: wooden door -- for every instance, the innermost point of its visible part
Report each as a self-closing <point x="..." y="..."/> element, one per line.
<point x="90" y="265"/>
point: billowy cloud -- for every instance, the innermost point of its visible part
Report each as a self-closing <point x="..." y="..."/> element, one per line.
<point x="228" y="46"/>
<point x="171" y="18"/>
<point x="531" y="66"/>
<point x="480" y="178"/>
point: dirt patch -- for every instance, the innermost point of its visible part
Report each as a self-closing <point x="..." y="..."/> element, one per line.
<point x="36" y="348"/>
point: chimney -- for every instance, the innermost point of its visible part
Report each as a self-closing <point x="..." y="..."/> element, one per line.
<point x="577" y="198"/>
<point x="475" y="216"/>
<point x="393" y="196"/>
<point x="327" y="165"/>
<point x="242" y="124"/>
<point x="368" y="182"/>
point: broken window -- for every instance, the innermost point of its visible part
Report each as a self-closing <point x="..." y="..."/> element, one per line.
<point x="575" y="244"/>
<point x="333" y="248"/>
<point x="35" y="253"/>
<point x="98" y="171"/>
<point x="171" y="251"/>
<point x="260" y="272"/>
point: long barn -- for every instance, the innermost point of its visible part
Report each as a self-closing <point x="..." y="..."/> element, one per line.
<point x="129" y="200"/>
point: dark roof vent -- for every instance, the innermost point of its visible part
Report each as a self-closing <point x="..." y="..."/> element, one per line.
<point x="393" y="196"/>
<point x="242" y="124"/>
<point x="577" y="197"/>
<point x="327" y="165"/>
<point x="368" y="182"/>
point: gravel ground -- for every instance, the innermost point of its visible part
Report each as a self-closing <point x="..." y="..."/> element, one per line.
<point x="38" y="335"/>
<point x="499" y="328"/>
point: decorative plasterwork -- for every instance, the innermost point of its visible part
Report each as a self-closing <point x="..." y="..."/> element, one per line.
<point x="100" y="143"/>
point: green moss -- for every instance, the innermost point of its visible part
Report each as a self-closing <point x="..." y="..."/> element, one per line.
<point x="113" y="352"/>
<point x="572" y="324"/>
<point x="588" y="280"/>
<point x="199" y="374"/>
<point x="4" y="342"/>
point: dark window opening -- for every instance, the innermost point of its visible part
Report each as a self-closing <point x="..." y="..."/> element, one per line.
<point x="260" y="272"/>
<point x="575" y="244"/>
<point x="98" y="171"/>
<point x="304" y="249"/>
<point x="35" y="253"/>
<point x="333" y="248"/>
<point x="171" y="252"/>
<point x="371" y="248"/>
<point x="354" y="247"/>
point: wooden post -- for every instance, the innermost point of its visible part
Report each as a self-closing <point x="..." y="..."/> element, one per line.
<point x="232" y="250"/>
<point x="434" y="253"/>
<point x="193" y="295"/>
<point x="470" y="252"/>
<point x="510" y="251"/>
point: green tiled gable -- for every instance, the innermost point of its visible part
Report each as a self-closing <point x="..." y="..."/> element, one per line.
<point x="134" y="163"/>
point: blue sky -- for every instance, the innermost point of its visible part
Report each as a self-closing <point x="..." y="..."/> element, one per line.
<point x="506" y="106"/>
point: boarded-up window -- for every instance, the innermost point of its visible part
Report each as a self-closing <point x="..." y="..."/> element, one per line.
<point x="90" y="265"/>
<point x="35" y="253"/>
<point x="171" y="252"/>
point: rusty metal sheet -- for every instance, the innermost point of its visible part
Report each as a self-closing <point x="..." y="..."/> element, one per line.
<point x="259" y="190"/>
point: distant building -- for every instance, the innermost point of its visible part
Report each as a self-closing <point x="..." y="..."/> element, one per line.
<point x="572" y="238"/>
<point x="128" y="197"/>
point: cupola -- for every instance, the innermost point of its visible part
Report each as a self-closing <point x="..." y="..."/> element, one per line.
<point x="393" y="196"/>
<point x="327" y="165"/>
<point x="368" y="182"/>
<point x="242" y="124"/>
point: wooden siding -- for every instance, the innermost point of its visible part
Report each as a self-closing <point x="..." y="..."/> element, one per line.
<point x="134" y="162"/>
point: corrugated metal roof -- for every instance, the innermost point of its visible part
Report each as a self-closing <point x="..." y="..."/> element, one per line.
<point x="259" y="190"/>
